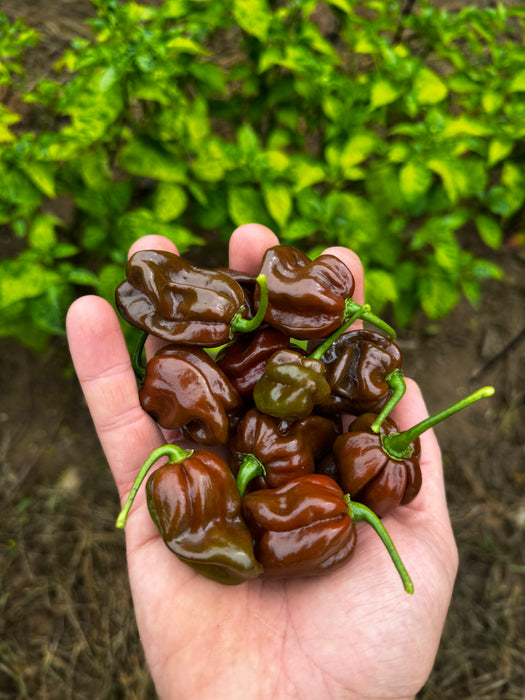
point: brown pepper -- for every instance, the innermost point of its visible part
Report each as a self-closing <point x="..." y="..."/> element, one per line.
<point x="184" y="389"/>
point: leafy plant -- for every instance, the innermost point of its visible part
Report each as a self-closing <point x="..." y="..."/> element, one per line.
<point x="399" y="135"/>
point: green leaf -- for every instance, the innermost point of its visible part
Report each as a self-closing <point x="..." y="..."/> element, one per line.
<point x="183" y="44"/>
<point x="248" y="141"/>
<point x="42" y="236"/>
<point x="81" y="277"/>
<point x="466" y="126"/>
<point x="517" y="84"/>
<point x="49" y="310"/>
<point x="383" y="93"/>
<point x="491" y="101"/>
<point x="278" y="201"/>
<point x="499" y="148"/>
<point x="253" y="16"/>
<point x="428" y="88"/>
<point x="489" y="230"/>
<point x="42" y="175"/>
<point x="380" y="287"/>
<point x="23" y="278"/>
<point x="452" y="174"/>
<point x="246" y="205"/>
<point x="358" y="148"/>
<point x="147" y="159"/>
<point x="305" y="172"/>
<point x="169" y="201"/>
<point x="439" y="294"/>
<point x="298" y="230"/>
<point x="414" y="180"/>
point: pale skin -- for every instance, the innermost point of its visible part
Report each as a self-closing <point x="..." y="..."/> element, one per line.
<point x="354" y="633"/>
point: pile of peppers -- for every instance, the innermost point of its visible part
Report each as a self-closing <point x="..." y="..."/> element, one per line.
<point x="288" y="409"/>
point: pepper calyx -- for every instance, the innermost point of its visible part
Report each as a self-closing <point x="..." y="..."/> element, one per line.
<point x="250" y="468"/>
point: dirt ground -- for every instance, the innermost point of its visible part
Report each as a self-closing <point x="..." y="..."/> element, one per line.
<point x="66" y="621"/>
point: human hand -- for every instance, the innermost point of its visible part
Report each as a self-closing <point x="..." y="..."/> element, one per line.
<point x="352" y="633"/>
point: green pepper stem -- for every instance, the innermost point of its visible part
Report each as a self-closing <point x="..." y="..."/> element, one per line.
<point x="245" y="325"/>
<point x="358" y="511"/>
<point x="350" y="308"/>
<point x="399" y="445"/>
<point x="398" y="387"/>
<point x="321" y="349"/>
<point x="249" y="469"/>
<point x="136" y="358"/>
<point x="175" y="455"/>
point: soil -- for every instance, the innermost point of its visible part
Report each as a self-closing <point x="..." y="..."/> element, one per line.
<point x="67" y="628"/>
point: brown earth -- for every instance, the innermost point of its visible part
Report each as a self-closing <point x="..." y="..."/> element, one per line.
<point x="67" y="628"/>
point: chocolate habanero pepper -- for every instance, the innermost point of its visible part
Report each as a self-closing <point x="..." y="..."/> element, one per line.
<point x="292" y="384"/>
<point x="243" y="361"/>
<point x="308" y="299"/>
<point x="285" y="450"/>
<point x="184" y="389"/>
<point x="307" y="528"/>
<point x="364" y="371"/>
<point x="380" y="466"/>
<point x="172" y="299"/>
<point x="195" y="504"/>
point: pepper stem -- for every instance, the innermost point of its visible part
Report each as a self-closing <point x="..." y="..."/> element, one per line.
<point x="399" y="445"/>
<point x="136" y="358"/>
<point x="350" y="308"/>
<point x="358" y="511"/>
<point x="321" y="349"/>
<point x="175" y="455"/>
<point x="249" y="469"/>
<point x="245" y="325"/>
<point x="398" y="387"/>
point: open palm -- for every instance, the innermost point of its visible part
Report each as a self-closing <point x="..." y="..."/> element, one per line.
<point x="352" y="633"/>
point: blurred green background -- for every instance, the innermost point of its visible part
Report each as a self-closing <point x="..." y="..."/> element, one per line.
<point x="394" y="128"/>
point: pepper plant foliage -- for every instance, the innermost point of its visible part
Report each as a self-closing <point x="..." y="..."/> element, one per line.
<point x="343" y="122"/>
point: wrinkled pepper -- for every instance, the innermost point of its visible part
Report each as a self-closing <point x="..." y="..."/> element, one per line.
<point x="184" y="389"/>
<point x="380" y="467"/>
<point x="194" y="502"/>
<point x="285" y="450"/>
<point x="307" y="528"/>
<point x="364" y="371"/>
<point x="243" y="361"/>
<point x="291" y="385"/>
<point x="172" y="299"/>
<point x="308" y="299"/>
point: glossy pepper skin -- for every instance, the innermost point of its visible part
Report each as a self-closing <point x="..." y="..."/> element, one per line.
<point x="357" y="366"/>
<point x="300" y="529"/>
<point x="369" y="474"/>
<point x="286" y="450"/>
<point x="291" y="385"/>
<point x="243" y="361"/>
<point x="306" y="297"/>
<point x="170" y="298"/>
<point x="196" y="506"/>
<point x="184" y="389"/>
